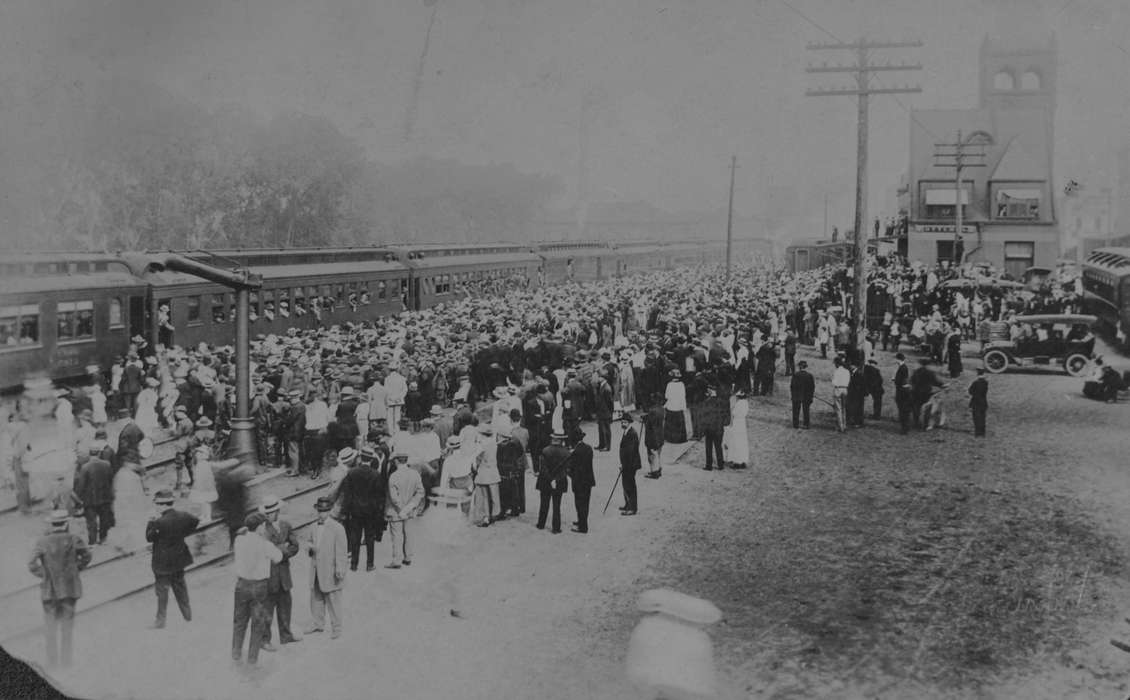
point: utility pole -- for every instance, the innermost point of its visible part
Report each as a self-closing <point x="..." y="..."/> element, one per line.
<point x="957" y="159"/>
<point x="862" y="70"/>
<point x="825" y="215"/>
<point x="730" y="217"/>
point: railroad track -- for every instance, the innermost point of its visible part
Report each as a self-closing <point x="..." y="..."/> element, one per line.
<point x="128" y="573"/>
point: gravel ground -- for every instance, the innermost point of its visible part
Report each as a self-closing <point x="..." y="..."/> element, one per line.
<point x="861" y="565"/>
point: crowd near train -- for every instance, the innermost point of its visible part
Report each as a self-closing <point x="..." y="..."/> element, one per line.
<point x="63" y="312"/>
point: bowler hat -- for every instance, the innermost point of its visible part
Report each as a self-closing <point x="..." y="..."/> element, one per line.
<point x="323" y="504"/>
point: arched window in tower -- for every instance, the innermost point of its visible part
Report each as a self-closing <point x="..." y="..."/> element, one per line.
<point x="1030" y="81"/>
<point x="1003" y="80"/>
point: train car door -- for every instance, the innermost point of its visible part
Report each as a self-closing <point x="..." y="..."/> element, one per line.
<point x="414" y="293"/>
<point x="137" y="317"/>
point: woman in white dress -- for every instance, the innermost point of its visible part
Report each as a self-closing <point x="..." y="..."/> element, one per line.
<point x="131" y="510"/>
<point x="485" y="506"/>
<point x="735" y="438"/>
<point x="146" y="416"/>
<point x="626" y="383"/>
<point x="203" y="491"/>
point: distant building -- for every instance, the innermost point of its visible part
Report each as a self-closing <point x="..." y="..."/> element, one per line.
<point x="1009" y="216"/>
<point x="1087" y="222"/>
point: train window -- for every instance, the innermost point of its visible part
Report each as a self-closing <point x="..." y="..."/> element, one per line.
<point x="382" y="290"/>
<point x="116" y="320"/>
<point x="269" y="304"/>
<point x="192" y="303"/>
<point x="366" y="297"/>
<point x="75" y="320"/>
<point x="339" y="292"/>
<point x="19" y="325"/>
<point x="253" y="307"/>
<point x="219" y="306"/>
<point x="283" y="302"/>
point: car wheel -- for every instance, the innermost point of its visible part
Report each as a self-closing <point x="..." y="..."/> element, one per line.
<point x="995" y="361"/>
<point x="1076" y="365"/>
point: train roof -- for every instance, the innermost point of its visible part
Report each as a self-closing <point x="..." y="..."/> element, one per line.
<point x="276" y="272"/>
<point x="1114" y="259"/>
<point x="43" y="284"/>
<point x="461" y="260"/>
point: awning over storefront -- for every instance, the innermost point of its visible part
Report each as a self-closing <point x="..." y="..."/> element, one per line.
<point x="946" y="196"/>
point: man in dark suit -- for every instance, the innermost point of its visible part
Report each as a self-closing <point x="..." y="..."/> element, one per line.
<point x="129" y="440"/>
<point x="873" y="381"/>
<point x="167" y="530"/>
<point x="802" y="389"/>
<point x="552" y="480"/>
<point x="94" y="486"/>
<point x="653" y="440"/>
<point x="57" y="558"/>
<point x="629" y="462"/>
<point x="902" y="393"/>
<point x="581" y="474"/>
<point x="604" y="408"/>
<point x="714" y="417"/>
<point x="979" y="402"/>
<point x="360" y="500"/>
<point x="922" y="383"/>
<point x="280" y="533"/>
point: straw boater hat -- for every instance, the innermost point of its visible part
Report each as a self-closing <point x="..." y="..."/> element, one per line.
<point x="270" y="505"/>
<point x="400" y="454"/>
<point x="204" y="422"/>
<point x="454" y="441"/>
<point x="436" y="410"/>
<point x="58" y="519"/>
<point x="164" y="498"/>
<point x="347" y="454"/>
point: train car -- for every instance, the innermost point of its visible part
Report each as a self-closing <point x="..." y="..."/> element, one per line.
<point x="55" y="324"/>
<point x="639" y="257"/>
<point x="575" y="261"/>
<point x="299" y="295"/>
<point x="1106" y="289"/>
<point x="442" y="272"/>
<point x="814" y="254"/>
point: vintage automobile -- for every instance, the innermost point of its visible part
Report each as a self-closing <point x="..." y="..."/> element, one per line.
<point x="1045" y="339"/>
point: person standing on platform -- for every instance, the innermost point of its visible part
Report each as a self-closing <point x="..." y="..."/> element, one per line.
<point x="252" y="565"/>
<point x="17" y="436"/>
<point x="167" y="530"/>
<point x="979" y="402"/>
<point x="552" y="481"/>
<point x="94" y="485"/>
<point x="653" y="440"/>
<point x="360" y="500"/>
<point x="629" y="463"/>
<point x="790" y="352"/>
<point x="675" y="406"/>
<point x="57" y="558"/>
<point x="581" y="474"/>
<point x="280" y="533"/>
<point x="313" y="443"/>
<point x="328" y="549"/>
<point x="714" y="416"/>
<point x="512" y="470"/>
<point x="405" y="494"/>
<point x="873" y="380"/>
<point x="903" y="401"/>
<point x="129" y="454"/>
<point x="736" y="434"/>
<point x="841" y="379"/>
<point x="604" y="409"/>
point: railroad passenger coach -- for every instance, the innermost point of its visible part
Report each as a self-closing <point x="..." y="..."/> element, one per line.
<point x="57" y="324"/>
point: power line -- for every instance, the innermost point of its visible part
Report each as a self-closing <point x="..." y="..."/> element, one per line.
<point x="863" y="68"/>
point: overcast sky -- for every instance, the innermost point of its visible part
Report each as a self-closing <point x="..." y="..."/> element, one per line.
<point x="674" y="87"/>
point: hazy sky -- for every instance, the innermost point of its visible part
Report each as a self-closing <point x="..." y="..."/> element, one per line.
<point x="674" y="87"/>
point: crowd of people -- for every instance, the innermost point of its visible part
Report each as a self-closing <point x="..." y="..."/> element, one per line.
<point x="461" y="401"/>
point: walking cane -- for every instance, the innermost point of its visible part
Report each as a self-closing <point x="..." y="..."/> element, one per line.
<point x="614" y="485"/>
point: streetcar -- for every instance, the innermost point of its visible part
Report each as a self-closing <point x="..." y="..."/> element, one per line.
<point x="1106" y="289"/>
<point x="814" y="254"/>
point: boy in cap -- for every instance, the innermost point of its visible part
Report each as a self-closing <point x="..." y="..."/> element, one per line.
<point x="57" y="558"/>
<point x="167" y="529"/>
<point x="183" y="430"/>
<point x="328" y="550"/>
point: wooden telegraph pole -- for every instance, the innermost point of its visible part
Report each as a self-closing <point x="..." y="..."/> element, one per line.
<point x="863" y="90"/>
<point x="954" y="155"/>
<point x="730" y="216"/>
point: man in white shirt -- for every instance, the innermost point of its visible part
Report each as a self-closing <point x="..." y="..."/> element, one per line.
<point x="378" y="403"/>
<point x="397" y="387"/>
<point x="253" y="558"/>
<point x="841" y="377"/>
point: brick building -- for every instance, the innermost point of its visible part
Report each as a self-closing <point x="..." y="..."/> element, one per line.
<point x="1009" y="215"/>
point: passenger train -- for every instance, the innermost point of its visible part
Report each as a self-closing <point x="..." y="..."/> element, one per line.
<point x="62" y="312"/>
<point x="1106" y="289"/>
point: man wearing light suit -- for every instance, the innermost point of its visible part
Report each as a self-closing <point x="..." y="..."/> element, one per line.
<point x="329" y="554"/>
